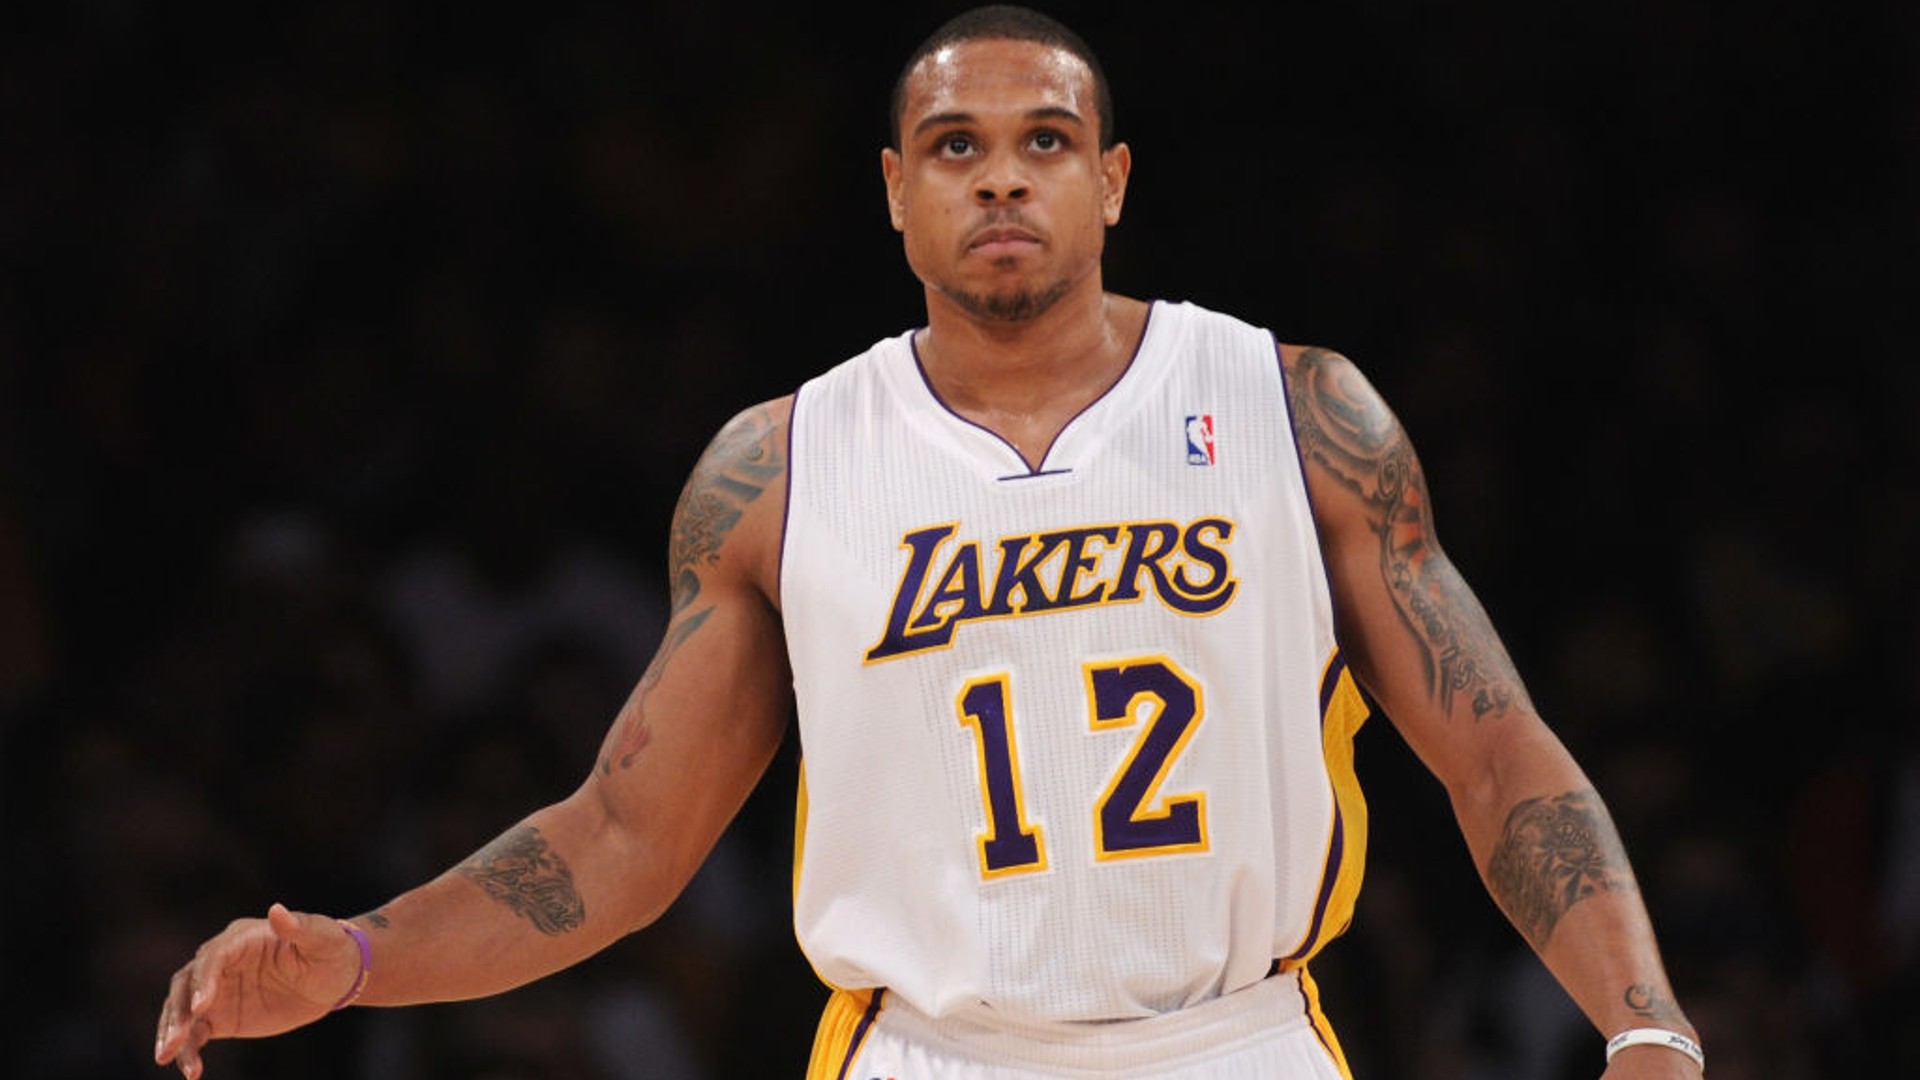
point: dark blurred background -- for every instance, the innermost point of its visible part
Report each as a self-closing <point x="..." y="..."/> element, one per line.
<point x="351" y="356"/>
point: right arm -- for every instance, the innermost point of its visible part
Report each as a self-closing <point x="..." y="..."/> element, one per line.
<point x="681" y="757"/>
<point x="1419" y="641"/>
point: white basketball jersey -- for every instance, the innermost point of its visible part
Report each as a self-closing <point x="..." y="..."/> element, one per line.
<point x="1076" y="740"/>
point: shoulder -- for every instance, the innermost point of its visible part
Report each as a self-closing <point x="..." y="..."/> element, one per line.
<point x="1334" y="405"/>
<point x="730" y="511"/>
<point x="753" y="423"/>
<point x="1362" y="471"/>
<point x="752" y="443"/>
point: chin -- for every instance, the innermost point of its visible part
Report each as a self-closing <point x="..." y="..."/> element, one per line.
<point x="1008" y="305"/>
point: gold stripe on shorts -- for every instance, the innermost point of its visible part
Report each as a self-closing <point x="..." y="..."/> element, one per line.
<point x="844" y="1024"/>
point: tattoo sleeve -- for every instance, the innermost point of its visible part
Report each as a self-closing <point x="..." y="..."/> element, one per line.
<point x="745" y="458"/>
<point x="1554" y="853"/>
<point x="520" y="871"/>
<point x="1346" y="429"/>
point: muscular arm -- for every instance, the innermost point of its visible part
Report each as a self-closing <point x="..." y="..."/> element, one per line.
<point x="1422" y="645"/>
<point x="682" y="755"/>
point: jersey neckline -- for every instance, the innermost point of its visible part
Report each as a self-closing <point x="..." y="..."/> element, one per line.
<point x="1077" y="441"/>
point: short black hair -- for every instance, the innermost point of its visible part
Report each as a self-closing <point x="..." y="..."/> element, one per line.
<point x="1006" y="22"/>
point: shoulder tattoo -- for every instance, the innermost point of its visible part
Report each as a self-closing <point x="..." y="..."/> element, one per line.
<point x="1554" y="853"/>
<point x="743" y="460"/>
<point x="1346" y="430"/>
<point x="519" y="870"/>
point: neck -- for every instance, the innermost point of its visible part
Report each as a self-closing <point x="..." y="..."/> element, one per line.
<point x="973" y="361"/>
<point x="1025" y="379"/>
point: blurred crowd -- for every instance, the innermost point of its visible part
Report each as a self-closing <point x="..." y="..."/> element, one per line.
<point x="351" y="359"/>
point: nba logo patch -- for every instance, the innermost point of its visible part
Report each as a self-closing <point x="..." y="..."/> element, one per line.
<point x="1200" y="439"/>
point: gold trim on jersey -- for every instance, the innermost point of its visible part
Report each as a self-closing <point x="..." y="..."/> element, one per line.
<point x="1343" y="710"/>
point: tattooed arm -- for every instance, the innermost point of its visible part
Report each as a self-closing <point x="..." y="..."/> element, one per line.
<point x="681" y="757"/>
<point x="1424" y="648"/>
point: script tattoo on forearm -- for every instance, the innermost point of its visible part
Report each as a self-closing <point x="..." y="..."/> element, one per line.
<point x="520" y="871"/>
<point x="744" y="459"/>
<point x="1554" y="853"/>
<point x="1345" y="428"/>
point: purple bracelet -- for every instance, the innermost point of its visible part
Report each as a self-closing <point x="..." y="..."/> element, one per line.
<point x="366" y="965"/>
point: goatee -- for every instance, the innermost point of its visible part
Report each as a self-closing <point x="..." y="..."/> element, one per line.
<point x="1016" y="306"/>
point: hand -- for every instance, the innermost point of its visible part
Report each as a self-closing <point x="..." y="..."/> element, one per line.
<point x="257" y="977"/>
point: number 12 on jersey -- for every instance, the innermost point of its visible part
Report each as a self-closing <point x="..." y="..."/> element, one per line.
<point x="1131" y="818"/>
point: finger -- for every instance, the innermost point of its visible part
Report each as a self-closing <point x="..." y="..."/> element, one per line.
<point x="164" y="1040"/>
<point x="186" y="1054"/>
<point x="311" y="935"/>
<point x="200" y="991"/>
<point x="166" y="1022"/>
<point x="285" y="923"/>
<point x="206" y="976"/>
<point x="172" y="1012"/>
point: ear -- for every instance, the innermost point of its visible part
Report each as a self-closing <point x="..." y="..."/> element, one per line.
<point x="1116" y="164"/>
<point x="892" y="170"/>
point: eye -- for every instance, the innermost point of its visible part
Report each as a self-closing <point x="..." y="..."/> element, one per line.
<point x="1048" y="142"/>
<point x="956" y="145"/>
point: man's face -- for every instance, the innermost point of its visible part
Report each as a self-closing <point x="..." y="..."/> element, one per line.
<point x="1000" y="190"/>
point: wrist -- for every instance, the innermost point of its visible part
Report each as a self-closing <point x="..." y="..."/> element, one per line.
<point x="365" y="949"/>
<point x="1666" y="1038"/>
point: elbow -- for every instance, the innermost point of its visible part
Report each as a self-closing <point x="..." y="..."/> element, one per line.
<point x="632" y="876"/>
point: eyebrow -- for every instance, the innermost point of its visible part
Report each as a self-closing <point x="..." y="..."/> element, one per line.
<point x="1049" y="112"/>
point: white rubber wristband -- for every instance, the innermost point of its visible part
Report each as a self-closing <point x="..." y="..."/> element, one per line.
<point x="1672" y="1040"/>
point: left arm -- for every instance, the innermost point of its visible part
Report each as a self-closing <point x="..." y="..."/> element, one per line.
<point x="1419" y="641"/>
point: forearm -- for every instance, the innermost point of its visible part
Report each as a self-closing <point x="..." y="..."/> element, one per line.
<point x="1554" y="862"/>
<point x="1605" y="954"/>
<point x="570" y="879"/>
<point x="552" y="890"/>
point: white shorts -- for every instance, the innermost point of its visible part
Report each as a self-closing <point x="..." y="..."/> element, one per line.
<point x="1272" y="1030"/>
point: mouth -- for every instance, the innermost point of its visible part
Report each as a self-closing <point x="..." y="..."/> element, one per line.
<point x="1000" y="240"/>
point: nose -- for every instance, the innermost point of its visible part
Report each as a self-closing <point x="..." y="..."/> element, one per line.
<point x="1001" y="180"/>
<point x="995" y="193"/>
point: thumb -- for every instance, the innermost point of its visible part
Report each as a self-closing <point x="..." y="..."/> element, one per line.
<point x="292" y="927"/>
<point x="319" y="939"/>
<point x="309" y="934"/>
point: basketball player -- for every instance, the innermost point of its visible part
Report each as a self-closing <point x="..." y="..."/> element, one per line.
<point x="1077" y="598"/>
